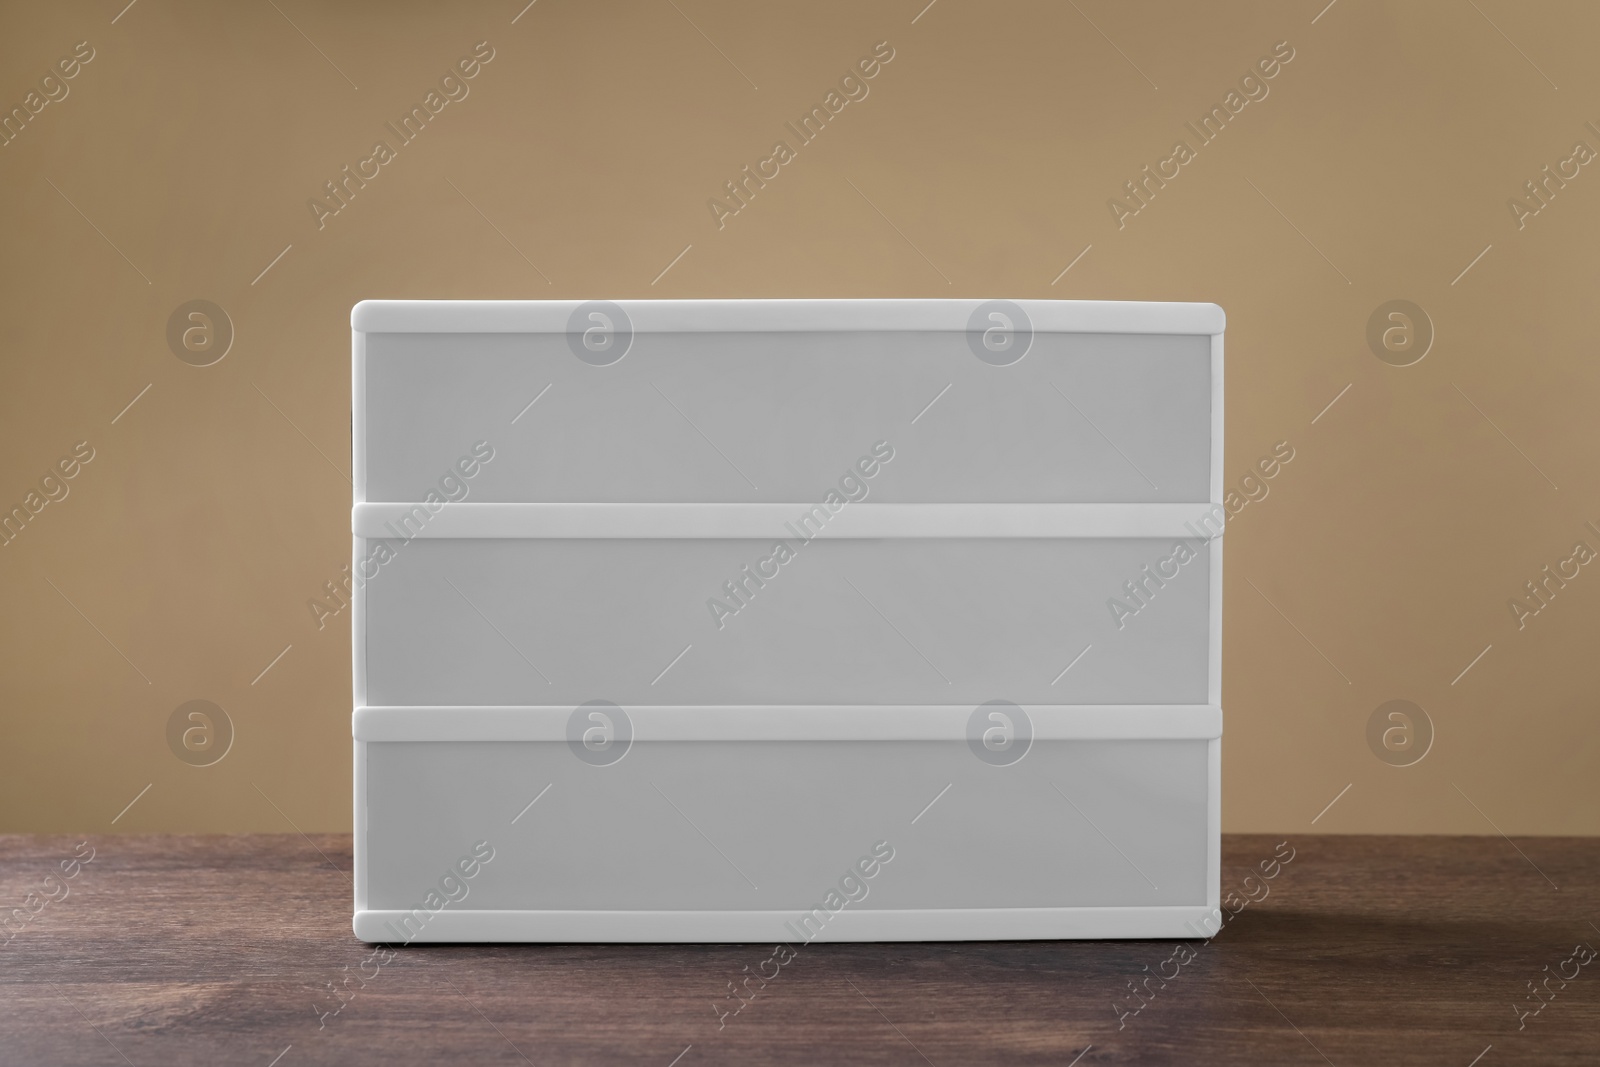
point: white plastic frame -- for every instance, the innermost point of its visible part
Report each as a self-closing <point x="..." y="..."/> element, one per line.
<point x="777" y="723"/>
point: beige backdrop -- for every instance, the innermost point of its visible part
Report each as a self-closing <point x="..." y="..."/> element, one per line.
<point x="177" y="164"/>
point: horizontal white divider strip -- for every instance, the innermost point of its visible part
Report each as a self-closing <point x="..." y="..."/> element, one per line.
<point x="768" y="927"/>
<point x="770" y="521"/>
<point x="800" y="316"/>
<point x="833" y="722"/>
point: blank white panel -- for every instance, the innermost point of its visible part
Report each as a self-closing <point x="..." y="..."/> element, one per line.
<point x="791" y="817"/>
<point x="847" y="621"/>
<point x="790" y="413"/>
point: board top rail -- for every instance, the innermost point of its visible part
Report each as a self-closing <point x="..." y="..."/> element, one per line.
<point x="799" y="316"/>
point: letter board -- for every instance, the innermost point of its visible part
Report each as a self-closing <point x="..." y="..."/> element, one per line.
<point x="674" y="619"/>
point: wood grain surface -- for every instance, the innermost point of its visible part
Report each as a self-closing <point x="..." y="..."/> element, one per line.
<point x="1360" y="950"/>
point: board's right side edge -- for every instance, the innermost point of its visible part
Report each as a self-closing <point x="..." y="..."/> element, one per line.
<point x="1214" y="672"/>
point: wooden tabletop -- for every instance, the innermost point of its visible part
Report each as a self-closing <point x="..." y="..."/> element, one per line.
<point x="1358" y="950"/>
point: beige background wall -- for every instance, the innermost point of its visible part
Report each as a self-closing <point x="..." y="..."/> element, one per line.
<point x="1378" y="167"/>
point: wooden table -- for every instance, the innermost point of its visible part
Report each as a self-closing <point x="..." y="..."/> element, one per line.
<point x="1362" y="950"/>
